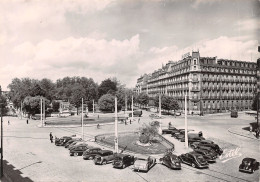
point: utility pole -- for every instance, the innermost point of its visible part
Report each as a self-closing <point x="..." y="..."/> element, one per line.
<point x="160" y="104"/>
<point x="44" y="112"/>
<point x="186" y="125"/>
<point x="132" y="108"/>
<point x="21" y="110"/>
<point x="93" y="106"/>
<point x="82" y="129"/>
<point x="41" y="112"/>
<point x="116" y="131"/>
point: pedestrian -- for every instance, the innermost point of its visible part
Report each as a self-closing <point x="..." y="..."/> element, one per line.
<point x="170" y="124"/>
<point x="130" y="121"/>
<point x="125" y="122"/>
<point x="98" y="126"/>
<point x="51" y="137"/>
<point x="8" y="122"/>
<point x="138" y="120"/>
<point x="250" y="128"/>
<point x="27" y="121"/>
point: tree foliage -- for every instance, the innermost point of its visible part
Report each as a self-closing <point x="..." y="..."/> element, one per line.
<point x="142" y="99"/>
<point x="32" y="105"/>
<point x="107" y="103"/>
<point x="107" y="86"/>
<point x="148" y="132"/>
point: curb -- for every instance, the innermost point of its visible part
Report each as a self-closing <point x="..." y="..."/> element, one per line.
<point x="236" y="133"/>
<point x="74" y="126"/>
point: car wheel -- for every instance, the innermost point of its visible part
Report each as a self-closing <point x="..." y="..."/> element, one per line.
<point x="76" y="154"/>
<point x="90" y="158"/>
<point x="192" y="146"/>
<point x="123" y="166"/>
<point x="193" y="165"/>
<point x="104" y="162"/>
<point x="253" y="170"/>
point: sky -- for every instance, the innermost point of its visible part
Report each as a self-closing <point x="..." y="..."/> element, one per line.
<point x="103" y="39"/>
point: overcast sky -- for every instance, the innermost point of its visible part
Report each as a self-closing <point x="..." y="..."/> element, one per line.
<point x="124" y="39"/>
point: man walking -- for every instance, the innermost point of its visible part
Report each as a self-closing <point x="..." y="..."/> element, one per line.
<point x="51" y="137"/>
<point x="27" y="121"/>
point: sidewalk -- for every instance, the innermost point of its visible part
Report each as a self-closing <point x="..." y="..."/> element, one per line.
<point x="238" y="130"/>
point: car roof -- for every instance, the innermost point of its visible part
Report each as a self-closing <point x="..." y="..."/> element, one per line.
<point x="140" y="156"/>
<point x="208" y="141"/>
<point x="105" y="151"/>
<point x="248" y="159"/>
<point x="121" y="155"/>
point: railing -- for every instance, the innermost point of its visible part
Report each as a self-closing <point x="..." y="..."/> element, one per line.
<point x="195" y="89"/>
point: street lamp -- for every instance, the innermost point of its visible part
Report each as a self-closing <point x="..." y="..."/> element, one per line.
<point x="1" y="150"/>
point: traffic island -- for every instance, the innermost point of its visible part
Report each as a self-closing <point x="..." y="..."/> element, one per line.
<point x="129" y="141"/>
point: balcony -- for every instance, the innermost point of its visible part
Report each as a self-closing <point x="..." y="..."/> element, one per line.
<point x="195" y="99"/>
<point x="195" y="89"/>
<point x="195" y="80"/>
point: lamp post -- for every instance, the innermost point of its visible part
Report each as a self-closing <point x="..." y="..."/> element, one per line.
<point x="82" y="129"/>
<point x="116" y="130"/>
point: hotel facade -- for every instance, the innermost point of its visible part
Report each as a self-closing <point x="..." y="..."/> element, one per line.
<point x="211" y="85"/>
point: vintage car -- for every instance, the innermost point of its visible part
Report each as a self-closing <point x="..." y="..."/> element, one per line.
<point x="104" y="157"/>
<point x="210" y="156"/>
<point x="62" y="141"/>
<point x="76" y="143"/>
<point x="78" y="151"/>
<point x="170" y="160"/>
<point x="144" y="163"/>
<point x="194" y="159"/>
<point x="123" y="160"/>
<point x="249" y="165"/>
<point x="71" y="141"/>
<point x="170" y="130"/>
<point x="179" y="133"/>
<point x="91" y="153"/>
<point x="207" y="143"/>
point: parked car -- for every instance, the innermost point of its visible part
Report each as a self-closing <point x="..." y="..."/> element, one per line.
<point x="208" y="143"/>
<point x="136" y="113"/>
<point x="144" y="163"/>
<point x="75" y="144"/>
<point x="172" y="161"/>
<point x="194" y="159"/>
<point x="62" y="141"/>
<point x="249" y="165"/>
<point x="79" y="144"/>
<point x="179" y="133"/>
<point x="169" y="130"/>
<point x="71" y="141"/>
<point x="123" y="160"/>
<point x="91" y="153"/>
<point x="208" y="155"/>
<point x="234" y="114"/>
<point x="78" y="151"/>
<point x="192" y="137"/>
<point x="104" y="157"/>
<point x="209" y="149"/>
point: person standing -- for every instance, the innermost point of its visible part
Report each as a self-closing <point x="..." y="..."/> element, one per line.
<point x="27" y="121"/>
<point x="51" y="137"/>
<point x="130" y="121"/>
<point x="257" y="132"/>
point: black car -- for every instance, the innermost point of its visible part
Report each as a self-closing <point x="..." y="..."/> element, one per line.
<point x="194" y="159"/>
<point x="170" y="160"/>
<point x="207" y="143"/>
<point x="62" y="141"/>
<point x="208" y="155"/>
<point x="249" y="165"/>
<point x="91" y="153"/>
<point x="123" y="160"/>
<point x="170" y="130"/>
<point x="103" y="157"/>
<point x="76" y="151"/>
<point x="71" y="141"/>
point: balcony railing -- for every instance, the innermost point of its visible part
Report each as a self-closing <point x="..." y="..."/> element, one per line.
<point x="195" y="89"/>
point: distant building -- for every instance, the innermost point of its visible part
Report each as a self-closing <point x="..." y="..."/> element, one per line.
<point x="211" y="84"/>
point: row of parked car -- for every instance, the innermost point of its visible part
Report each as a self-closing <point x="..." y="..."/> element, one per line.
<point x="205" y="151"/>
<point x="77" y="147"/>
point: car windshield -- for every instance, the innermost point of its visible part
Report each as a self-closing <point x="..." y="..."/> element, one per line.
<point x="200" y="159"/>
<point x="118" y="158"/>
<point x="142" y="159"/>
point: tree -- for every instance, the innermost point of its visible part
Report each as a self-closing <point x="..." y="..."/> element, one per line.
<point x="106" y="86"/>
<point x="107" y="103"/>
<point x="169" y="103"/>
<point x="32" y="105"/>
<point x="3" y="104"/>
<point x="55" y="106"/>
<point x="78" y="92"/>
<point x="254" y="104"/>
<point x="143" y="99"/>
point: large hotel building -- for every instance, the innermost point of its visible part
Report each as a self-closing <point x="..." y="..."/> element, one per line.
<point x="211" y="85"/>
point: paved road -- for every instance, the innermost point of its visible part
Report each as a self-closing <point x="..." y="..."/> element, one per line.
<point x="27" y="147"/>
